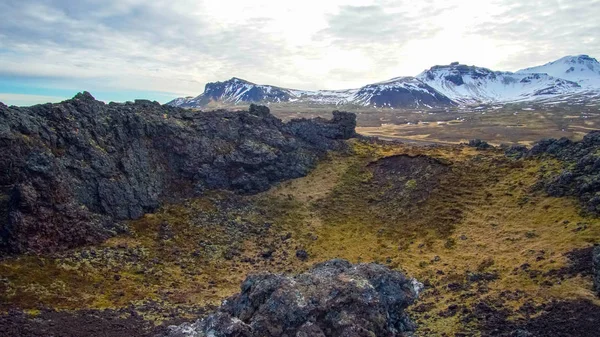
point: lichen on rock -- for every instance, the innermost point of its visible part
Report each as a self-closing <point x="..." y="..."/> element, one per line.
<point x="334" y="298"/>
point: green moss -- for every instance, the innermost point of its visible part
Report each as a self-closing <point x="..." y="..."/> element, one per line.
<point x="196" y="253"/>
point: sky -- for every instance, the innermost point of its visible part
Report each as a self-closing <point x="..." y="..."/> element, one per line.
<point x="121" y="50"/>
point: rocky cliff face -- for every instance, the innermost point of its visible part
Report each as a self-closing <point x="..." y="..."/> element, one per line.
<point x="70" y="171"/>
<point x="334" y="298"/>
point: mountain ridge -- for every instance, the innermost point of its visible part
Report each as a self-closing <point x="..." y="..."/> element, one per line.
<point x="399" y="91"/>
<point x="582" y="69"/>
<point x="470" y="84"/>
<point x="436" y="87"/>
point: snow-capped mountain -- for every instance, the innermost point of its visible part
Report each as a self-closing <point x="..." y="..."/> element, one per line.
<point x="397" y="92"/>
<point x="406" y="92"/>
<point x="470" y="84"/>
<point x="439" y="86"/>
<point x="581" y="69"/>
<point x="234" y="91"/>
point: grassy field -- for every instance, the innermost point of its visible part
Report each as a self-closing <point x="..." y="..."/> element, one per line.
<point x="466" y="223"/>
<point x="523" y="123"/>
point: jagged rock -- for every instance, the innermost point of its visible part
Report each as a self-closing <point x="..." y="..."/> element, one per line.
<point x="596" y="270"/>
<point x="342" y="126"/>
<point x="515" y="151"/>
<point x="71" y="171"/>
<point x="581" y="176"/>
<point x="334" y="298"/>
<point x="479" y="144"/>
<point x="259" y="110"/>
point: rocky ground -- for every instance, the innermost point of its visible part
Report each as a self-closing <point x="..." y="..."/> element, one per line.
<point x="497" y="255"/>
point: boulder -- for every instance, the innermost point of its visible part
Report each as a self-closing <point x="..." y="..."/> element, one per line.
<point x="479" y="144"/>
<point x="334" y="298"/>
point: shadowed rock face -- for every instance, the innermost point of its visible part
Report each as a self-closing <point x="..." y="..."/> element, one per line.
<point x="68" y="171"/>
<point x="334" y="298"/>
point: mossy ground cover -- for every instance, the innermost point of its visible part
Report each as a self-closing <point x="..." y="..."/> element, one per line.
<point x="469" y="224"/>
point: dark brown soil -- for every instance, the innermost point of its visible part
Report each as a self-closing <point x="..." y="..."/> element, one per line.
<point x="408" y="179"/>
<point x="85" y="323"/>
<point x="580" y="263"/>
<point x="557" y="319"/>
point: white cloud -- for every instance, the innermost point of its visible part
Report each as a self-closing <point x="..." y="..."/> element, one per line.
<point x="177" y="46"/>
<point x="25" y="99"/>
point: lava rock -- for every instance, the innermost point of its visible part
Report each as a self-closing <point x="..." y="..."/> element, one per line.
<point x="267" y="254"/>
<point x="596" y="272"/>
<point x="581" y="174"/>
<point x="302" y="254"/>
<point x="70" y="172"/>
<point x="259" y="110"/>
<point x="479" y="144"/>
<point x="334" y="298"/>
<point x="515" y="151"/>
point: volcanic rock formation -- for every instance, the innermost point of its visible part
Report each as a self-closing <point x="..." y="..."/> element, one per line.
<point x="581" y="174"/>
<point x="70" y="171"/>
<point x="334" y="298"/>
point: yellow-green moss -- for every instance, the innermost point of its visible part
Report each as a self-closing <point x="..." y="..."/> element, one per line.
<point x="475" y="220"/>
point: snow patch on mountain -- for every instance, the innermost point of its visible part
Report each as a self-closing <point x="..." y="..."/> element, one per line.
<point x="400" y="92"/>
<point x="397" y="92"/>
<point x="336" y="97"/>
<point x="582" y="69"/>
<point x="470" y="84"/>
<point x="439" y="86"/>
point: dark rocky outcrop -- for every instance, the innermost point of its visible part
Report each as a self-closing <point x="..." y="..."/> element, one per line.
<point x="70" y="171"/>
<point x="334" y="298"/>
<point x="479" y="144"/>
<point x="596" y="268"/>
<point x="581" y="174"/>
<point x="514" y="151"/>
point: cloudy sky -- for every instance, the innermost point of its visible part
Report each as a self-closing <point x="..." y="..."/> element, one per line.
<point x="160" y="49"/>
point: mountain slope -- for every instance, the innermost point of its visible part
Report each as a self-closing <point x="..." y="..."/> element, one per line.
<point x="234" y="90"/>
<point x="400" y="92"/>
<point x="394" y="93"/>
<point x="470" y="84"/>
<point x="581" y="69"/>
